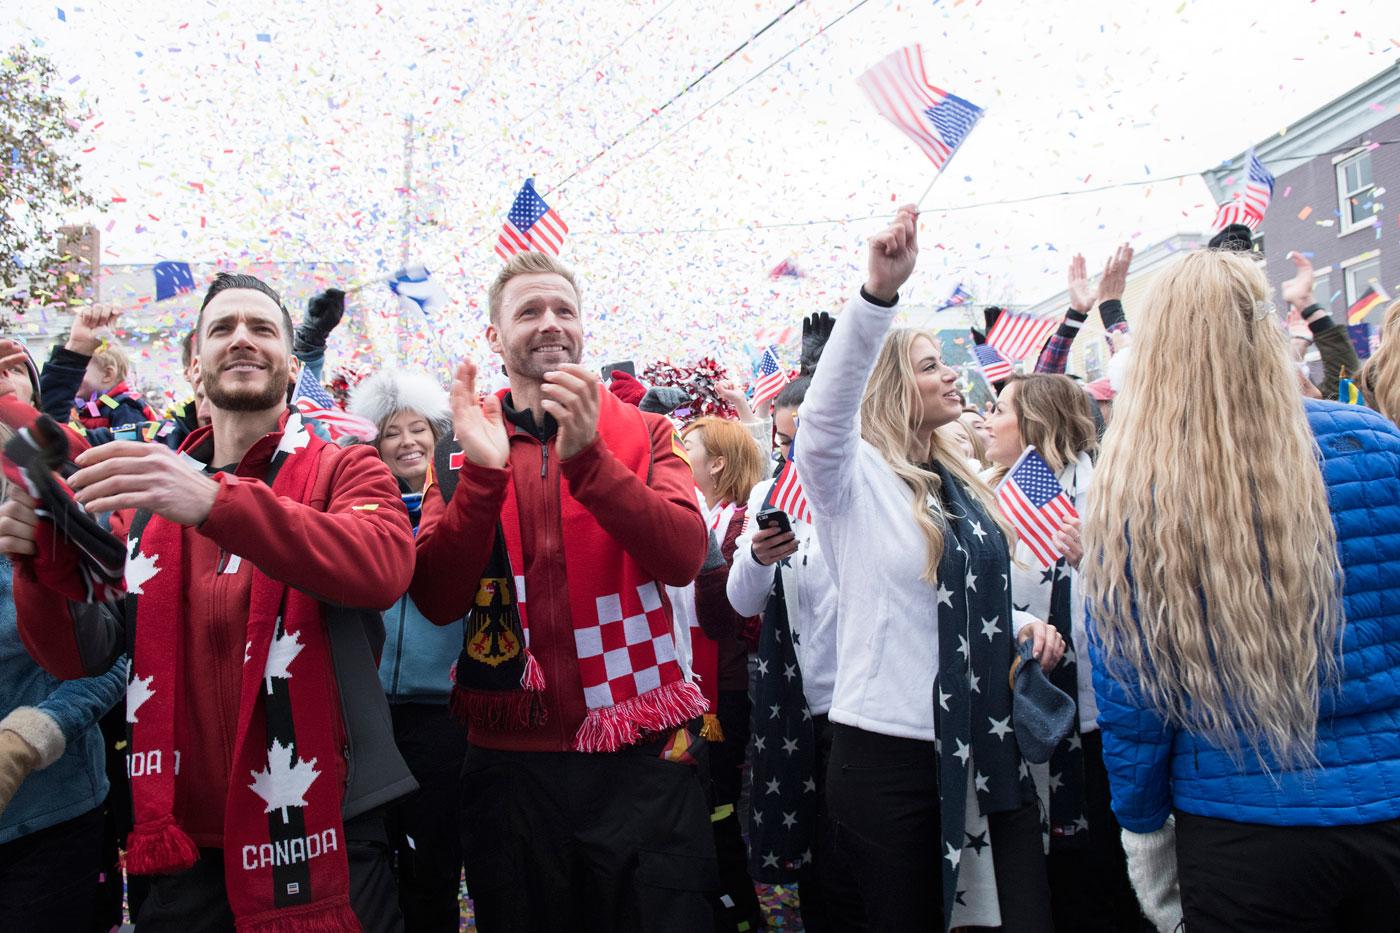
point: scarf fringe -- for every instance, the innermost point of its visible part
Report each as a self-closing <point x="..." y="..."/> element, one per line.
<point x="533" y="678"/>
<point x="711" y="730"/>
<point x="331" y="916"/>
<point x="160" y="848"/>
<point x="610" y="728"/>
<point x="498" y="709"/>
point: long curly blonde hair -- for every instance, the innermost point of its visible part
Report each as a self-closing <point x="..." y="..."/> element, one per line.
<point x="1380" y="377"/>
<point x="890" y="411"/>
<point x="1230" y="615"/>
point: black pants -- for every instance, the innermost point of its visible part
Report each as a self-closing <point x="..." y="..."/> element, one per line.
<point x="1245" y="876"/>
<point x="48" y="879"/>
<point x="116" y="824"/>
<point x="1089" y="886"/>
<point x="737" y="903"/>
<point x="883" y="794"/>
<point x="427" y="849"/>
<point x="828" y="897"/>
<point x="196" y="901"/>
<point x="569" y="841"/>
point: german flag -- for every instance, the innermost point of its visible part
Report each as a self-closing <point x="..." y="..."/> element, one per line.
<point x="1362" y="306"/>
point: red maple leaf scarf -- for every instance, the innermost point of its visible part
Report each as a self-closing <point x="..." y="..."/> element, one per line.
<point x="285" y="863"/>
<point x="632" y="681"/>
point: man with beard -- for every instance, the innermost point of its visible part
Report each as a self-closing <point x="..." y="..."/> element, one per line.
<point x="552" y="524"/>
<point x="258" y="558"/>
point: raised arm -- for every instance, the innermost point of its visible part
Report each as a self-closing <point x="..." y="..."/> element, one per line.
<point x="829" y="426"/>
<point x="1055" y="356"/>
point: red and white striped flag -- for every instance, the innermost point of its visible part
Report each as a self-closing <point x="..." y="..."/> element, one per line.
<point x="1035" y="503"/>
<point x="1017" y="336"/>
<point x="531" y="226"/>
<point x="935" y="120"/>
<point x="771" y="379"/>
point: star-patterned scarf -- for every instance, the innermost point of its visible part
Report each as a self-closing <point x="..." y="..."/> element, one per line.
<point x="980" y="769"/>
<point x="1047" y="594"/>
<point x="783" y="805"/>
<point x="285" y="865"/>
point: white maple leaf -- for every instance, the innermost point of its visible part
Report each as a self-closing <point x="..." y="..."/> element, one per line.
<point x="285" y="781"/>
<point x="138" y="691"/>
<point x="139" y="567"/>
<point x="280" y="655"/>
<point x="294" y="436"/>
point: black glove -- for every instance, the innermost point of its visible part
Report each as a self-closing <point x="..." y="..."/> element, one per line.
<point x="978" y="338"/>
<point x="323" y="313"/>
<point x="816" y="330"/>
<point x="991" y="313"/>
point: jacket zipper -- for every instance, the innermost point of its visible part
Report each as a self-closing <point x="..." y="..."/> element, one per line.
<point x="398" y="655"/>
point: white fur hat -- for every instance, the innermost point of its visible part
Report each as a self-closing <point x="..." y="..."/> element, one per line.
<point x="391" y="391"/>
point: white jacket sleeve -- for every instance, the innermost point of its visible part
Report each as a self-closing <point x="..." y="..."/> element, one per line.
<point x="828" y="431"/>
<point x="749" y="581"/>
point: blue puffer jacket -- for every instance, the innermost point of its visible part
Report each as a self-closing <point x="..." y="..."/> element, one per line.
<point x="77" y="781"/>
<point x="1154" y="767"/>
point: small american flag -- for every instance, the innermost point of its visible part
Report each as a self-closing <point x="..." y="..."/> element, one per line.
<point x="937" y="121"/>
<point x="788" y="494"/>
<point x="1248" y="207"/>
<point x="1016" y="336"/>
<point x="531" y="226"/>
<point x="960" y="296"/>
<point x="993" y="365"/>
<point x="313" y="401"/>
<point x="771" y="379"/>
<point x="1035" y="503"/>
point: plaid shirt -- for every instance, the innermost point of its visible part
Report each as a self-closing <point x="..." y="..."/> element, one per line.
<point x="1055" y="357"/>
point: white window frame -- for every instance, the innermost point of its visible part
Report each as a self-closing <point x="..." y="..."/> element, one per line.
<point x="1346" y="224"/>
<point x="1350" y="292"/>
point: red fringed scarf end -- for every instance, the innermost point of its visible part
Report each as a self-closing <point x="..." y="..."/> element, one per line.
<point x="611" y="728"/>
<point x="159" y="848"/>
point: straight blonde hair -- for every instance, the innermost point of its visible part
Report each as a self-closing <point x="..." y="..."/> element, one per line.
<point x="743" y="466"/>
<point x="1230" y="616"/>
<point x="890" y="410"/>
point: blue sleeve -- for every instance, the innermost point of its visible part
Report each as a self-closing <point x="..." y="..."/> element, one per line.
<point x="77" y="704"/>
<point x="315" y="362"/>
<point x="1137" y="747"/>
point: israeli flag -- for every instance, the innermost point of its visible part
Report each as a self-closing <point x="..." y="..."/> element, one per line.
<point x="417" y="288"/>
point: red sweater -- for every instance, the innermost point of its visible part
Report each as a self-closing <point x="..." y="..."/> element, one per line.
<point x="350" y="544"/>
<point x="658" y="523"/>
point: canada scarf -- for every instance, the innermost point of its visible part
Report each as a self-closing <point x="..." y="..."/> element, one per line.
<point x="632" y="679"/>
<point x="285" y="864"/>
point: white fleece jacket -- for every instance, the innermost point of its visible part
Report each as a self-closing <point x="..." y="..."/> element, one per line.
<point x="886" y="631"/>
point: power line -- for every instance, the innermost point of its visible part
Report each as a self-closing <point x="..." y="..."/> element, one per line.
<point x="678" y="95"/>
<point x="833" y="221"/>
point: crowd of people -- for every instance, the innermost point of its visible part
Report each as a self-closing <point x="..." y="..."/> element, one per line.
<point x="595" y="656"/>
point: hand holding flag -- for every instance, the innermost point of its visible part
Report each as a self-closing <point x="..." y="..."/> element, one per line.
<point x="1037" y="506"/>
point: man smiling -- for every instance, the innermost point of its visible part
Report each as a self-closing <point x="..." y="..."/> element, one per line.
<point x="562" y="512"/>
<point x="249" y="697"/>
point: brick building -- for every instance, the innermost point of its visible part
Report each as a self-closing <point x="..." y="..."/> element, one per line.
<point x="1332" y="169"/>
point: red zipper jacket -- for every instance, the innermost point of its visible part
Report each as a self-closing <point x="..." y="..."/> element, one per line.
<point x="349" y="546"/>
<point x="658" y="523"/>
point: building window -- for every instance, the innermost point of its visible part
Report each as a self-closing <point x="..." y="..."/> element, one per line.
<point x="1322" y="290"/>
<point x="1361" y="276"/>
<point x="1355" y="190"/>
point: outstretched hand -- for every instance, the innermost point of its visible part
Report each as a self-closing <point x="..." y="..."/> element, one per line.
<point x="893" y="254"/>
<point x="1298" y="291"/>
<point x="1115" y="275"/>
<point x="478" y="422"/>
<point x="1081" y="293"/>
<point x="88" y="324"/>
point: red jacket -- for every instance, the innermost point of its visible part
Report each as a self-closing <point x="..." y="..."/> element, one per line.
<point x="350" y="545"/>
<point x="658" y="523"/>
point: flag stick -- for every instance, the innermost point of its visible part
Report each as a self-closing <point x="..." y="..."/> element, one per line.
<point x="918" y="205"/>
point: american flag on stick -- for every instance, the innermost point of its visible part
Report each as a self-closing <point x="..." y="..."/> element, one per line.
<point x="1035" y="503"/>
<point x="313" y="401"/>
<point x="788" y="494"/>
<point x="531" y="226"/>
<point x="993" y="365"/>
<point x="1248" y="207"/>
<point x="935" y="120"/>
<point x="771" y="379"/>
<point x="1016" y="336"/>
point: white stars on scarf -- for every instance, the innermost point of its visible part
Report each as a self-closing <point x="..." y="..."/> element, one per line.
<point x="760" y="743"/>
<point x="953" y="855"/>
<point x="789" y="746"/>
<point x="789" y="672"/>
<point x="977" y="530"/>
<point x="789" y="820"/>
<point x="972" y="582"/>
<point x="945" y="595"/>
<point x="773" y="787"/>
<point x="973" y="682"/>
<point x="1001" y="728"/>
<point x="990" y="627"/>
<point x="770" y="860"/>
<point x="964" y="648"/>
<point x="964" y="752"/>
<point x="981" y="781"/>
<point x="762" y="667"/>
